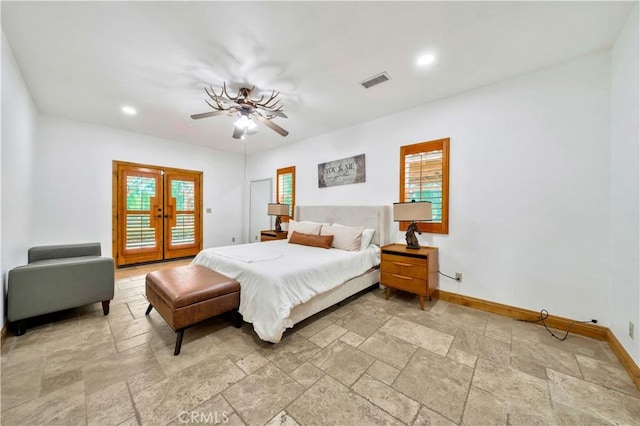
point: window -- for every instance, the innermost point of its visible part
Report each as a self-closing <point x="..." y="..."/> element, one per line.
<point x="424" y="176"/>
<point x="286" y="189"/>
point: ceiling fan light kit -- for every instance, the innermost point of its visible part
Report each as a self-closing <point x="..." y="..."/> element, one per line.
<point x="246" y="109"/>
<point x="245" y="123"/>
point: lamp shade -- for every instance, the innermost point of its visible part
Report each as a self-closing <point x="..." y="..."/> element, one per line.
<point x="412" y="212"/>
<point x="275" y="209"/>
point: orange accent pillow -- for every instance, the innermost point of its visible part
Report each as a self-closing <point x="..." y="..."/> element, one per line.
<point x="323" y="241"/>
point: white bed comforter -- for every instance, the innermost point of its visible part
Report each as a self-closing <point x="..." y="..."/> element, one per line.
<point x="276" y="276"/>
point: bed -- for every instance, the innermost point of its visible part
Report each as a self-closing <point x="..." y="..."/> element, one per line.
<point x="282" y="283"/>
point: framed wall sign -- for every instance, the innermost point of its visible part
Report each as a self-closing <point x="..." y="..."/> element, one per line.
<point x="342" y="172"/>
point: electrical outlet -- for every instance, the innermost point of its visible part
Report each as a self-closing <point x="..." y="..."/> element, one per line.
<point x="256" y="238"/>
<point x="233" y="239"/>
<point x="458" y="276"/>
<point x="631" y="329"/>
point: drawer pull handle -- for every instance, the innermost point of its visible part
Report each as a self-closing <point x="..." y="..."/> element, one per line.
<point x="404" y="278"/>
<point x="403" y="264"/>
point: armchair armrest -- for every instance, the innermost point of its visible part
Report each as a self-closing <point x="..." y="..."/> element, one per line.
<point x="63" y="250"/>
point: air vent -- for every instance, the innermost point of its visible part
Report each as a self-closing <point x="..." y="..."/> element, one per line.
<point x="377" y="79"/>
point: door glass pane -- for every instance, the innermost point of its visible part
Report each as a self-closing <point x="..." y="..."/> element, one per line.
<point x="140" y="189"/>
<point x="184" y="194"/>
<point x="140" y="233"/>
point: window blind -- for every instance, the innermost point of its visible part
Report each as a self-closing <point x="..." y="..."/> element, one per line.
<point x="185" y="230"/>
<point x="423" y="180"/>
<point x="139" y="232"/>
<point x="286" y="189"/>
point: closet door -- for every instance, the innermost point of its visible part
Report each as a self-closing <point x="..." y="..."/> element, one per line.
<point x="260" y="194"/>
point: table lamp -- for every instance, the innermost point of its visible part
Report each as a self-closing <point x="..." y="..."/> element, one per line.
<point x="412" y="212"/>
<point x="277" y="210"/>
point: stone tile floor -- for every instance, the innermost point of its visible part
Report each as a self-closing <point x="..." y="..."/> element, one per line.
<point x="369" y="361"/>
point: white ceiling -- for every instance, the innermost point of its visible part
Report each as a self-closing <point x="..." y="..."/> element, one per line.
<point x="84" y="60"/>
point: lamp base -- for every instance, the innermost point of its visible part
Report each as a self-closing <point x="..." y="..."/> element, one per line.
<point x="278" y="227"/>
<point x="412" y="240"/>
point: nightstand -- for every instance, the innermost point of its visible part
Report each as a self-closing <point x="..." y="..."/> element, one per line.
<point x="415" y="271"/>
<point x="272" y="235"/>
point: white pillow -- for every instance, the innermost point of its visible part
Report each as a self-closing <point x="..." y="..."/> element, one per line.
<point x="344" y="237"/>
<point x="315" y="223"/>
<point x="304" y="228"/>
<point x="285" y="225"/>
<point x="367" y="236"/>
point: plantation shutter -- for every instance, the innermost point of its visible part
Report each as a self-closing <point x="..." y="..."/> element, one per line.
<point x="183" y="198"/>
<point x="286" y="189"/>
<point x="141" y="197"/>
<point x="183" y="206"/>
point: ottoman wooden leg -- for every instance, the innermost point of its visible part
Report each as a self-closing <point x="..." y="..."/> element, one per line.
<point x="180" y="333"/>
<point x="237" y="318"/>
<point x="149" y="309"/>
<point x="105" y="307"/>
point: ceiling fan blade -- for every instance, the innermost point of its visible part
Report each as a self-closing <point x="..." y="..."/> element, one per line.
<point x="237" y="132"/>
<point x="207" y="114"/>
<point x="269" y="112"/>
<point x="270" y="124"/>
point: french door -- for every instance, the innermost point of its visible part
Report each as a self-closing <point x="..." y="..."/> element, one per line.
<point x="157" y="213"/>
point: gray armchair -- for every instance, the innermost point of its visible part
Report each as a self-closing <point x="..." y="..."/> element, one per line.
<point x="57" y="278"/>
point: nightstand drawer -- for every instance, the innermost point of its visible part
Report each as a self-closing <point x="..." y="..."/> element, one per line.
<point x="401" y="282"/>
<point x="400" y="266"/>
<point x="419" y="261"/>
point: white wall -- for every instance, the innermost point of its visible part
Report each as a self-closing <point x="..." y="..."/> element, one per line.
<point x="625" y="201"/>
<point x="73" y="176"/>
<point x="18" y="144"/>
<point x="530" y="184"/>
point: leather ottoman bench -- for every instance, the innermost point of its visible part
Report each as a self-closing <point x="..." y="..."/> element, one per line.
<point x="186" y="295"/>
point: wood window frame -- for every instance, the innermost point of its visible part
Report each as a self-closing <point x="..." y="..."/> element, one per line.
<point x="434" y="145"/>
<point x="284" y="171"/>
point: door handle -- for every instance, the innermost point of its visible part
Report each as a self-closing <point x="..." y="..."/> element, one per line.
<point x="159" y="216"/>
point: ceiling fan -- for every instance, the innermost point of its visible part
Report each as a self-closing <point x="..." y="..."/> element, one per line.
<point x="246" y="109"/>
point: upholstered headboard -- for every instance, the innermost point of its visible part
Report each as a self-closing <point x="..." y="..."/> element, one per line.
<point x="376" y="217"/>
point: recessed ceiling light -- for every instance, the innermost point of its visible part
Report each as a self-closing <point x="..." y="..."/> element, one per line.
<point x="129" y="110"/>
<point x="426" y="59"/>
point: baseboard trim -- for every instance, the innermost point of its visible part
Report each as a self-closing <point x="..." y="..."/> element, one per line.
<point x="625" y="359"/>
<point x="560" y="323"/>
<point x="584" y="329"/>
